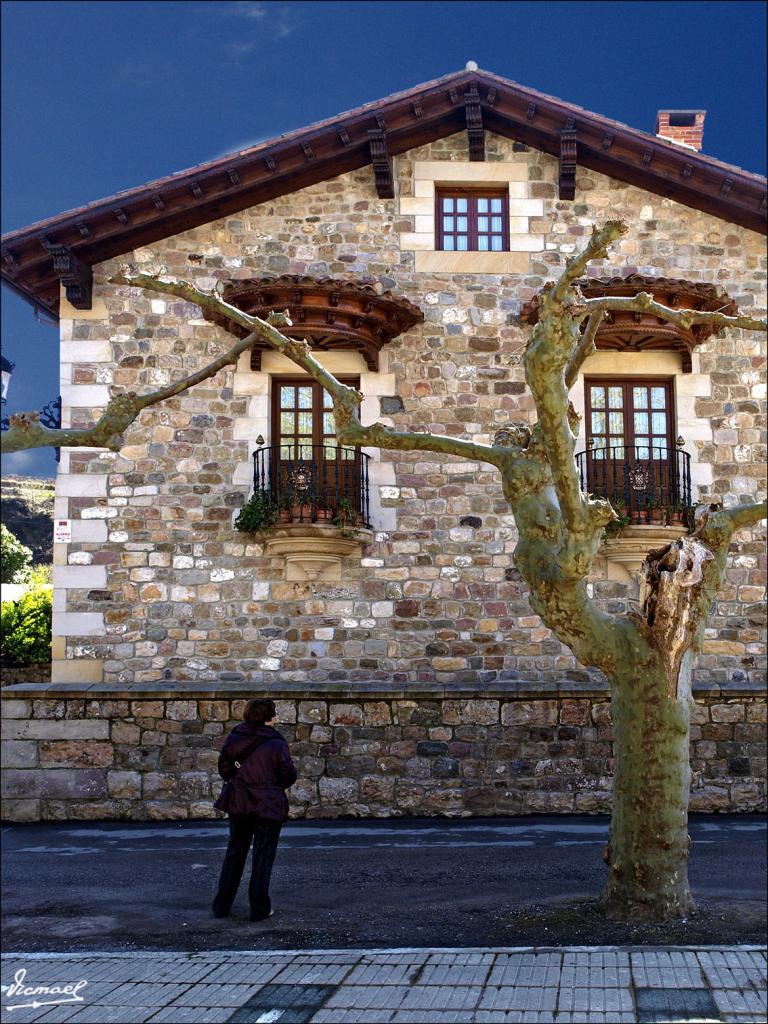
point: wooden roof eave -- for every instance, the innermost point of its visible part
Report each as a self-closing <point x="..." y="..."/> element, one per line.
<point x="167" y="206"/>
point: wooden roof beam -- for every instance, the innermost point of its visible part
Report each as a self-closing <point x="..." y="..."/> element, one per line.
<point x="381" y="159"/>
<point x="567" y="168"/>
<point x="474" y="117"/>
<point x="76" y="276"/>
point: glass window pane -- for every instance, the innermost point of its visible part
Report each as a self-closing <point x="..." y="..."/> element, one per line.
<point x="495" y="223"/>
<point x="305" y="423"/>
<point x="327" y="400"/>
<point x="640" y="398"/>
<point x="461" y="205"/>
<point x="658" y="398"/>
<point x="598" y="452"/>
<point x="448" y="244"/>
<point x="482" y="206"/>
<point x="643" y="452"/>
<point x="305" y="452"/>
<point x="482" y="223"/>
<point x="482" y="243"/>
<point x="461" y="223"/>
<point x="287" y="397"/>
<point x="305" y="398"/>
<point x="447" y="205"/>
<point x="659" y="447"/>
<point x="462" y="243"/>
<point x="328" y="424"/>
<point x="616" y="423"/>
<point x="286" y="422"/>
<point x="641" y="422"/>
<point x="348" y="454"/>
<point x="616" y="398"/>
<point x="597" y="397"/>
<point x="496" y="206"/>
<point x="659" y="422"/>
<point x="496" y="243"/>
<point x="598" y="422"/>
<point x="447" y="223"/>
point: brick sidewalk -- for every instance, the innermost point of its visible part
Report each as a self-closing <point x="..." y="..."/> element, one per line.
<point x="605" y="985"/>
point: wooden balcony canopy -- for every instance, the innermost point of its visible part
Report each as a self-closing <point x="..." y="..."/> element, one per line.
<point x="642" y="332"/>
<point x="329" y="312"/>
<point x="63" y="249"/>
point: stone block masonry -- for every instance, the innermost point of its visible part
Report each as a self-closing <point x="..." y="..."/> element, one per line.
<point x="95" y="752"/>
<point x="157" y="586"/>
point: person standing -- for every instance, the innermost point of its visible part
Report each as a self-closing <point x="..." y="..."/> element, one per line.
<point x="257" y="768"/>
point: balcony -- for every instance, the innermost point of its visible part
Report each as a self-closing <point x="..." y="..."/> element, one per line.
<point x="322" y="494"/>
<point x="645" y="484"/>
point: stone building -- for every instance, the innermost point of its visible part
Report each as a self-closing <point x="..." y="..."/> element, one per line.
<point x="409" y="239"/>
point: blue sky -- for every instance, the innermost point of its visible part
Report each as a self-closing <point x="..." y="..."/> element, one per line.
<point x="98" y="97"/>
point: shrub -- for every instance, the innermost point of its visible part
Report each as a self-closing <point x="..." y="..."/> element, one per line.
<point x="26" y="627"/>
<point x="258" y="513"/>
<point x="15" y="558"/>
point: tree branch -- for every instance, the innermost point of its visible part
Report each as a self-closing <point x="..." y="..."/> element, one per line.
<point x="554" y="352"/>
<point x="25" y="430"/>
<point x="584" y="348"/>
<point x="346" y="400"/>
<point x="644" y="302"/>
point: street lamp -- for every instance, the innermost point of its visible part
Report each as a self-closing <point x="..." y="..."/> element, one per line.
<point x="7" y="369"/>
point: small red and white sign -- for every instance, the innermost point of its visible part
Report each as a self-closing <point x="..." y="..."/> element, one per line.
<point x="62" y="531"/>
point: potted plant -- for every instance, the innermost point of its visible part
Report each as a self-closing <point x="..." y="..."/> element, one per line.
<point x="615" y="527"/>
<point x="258" y="514"/>
<point x="657" y="512"/>
<point x="284" y="508"/>
<point x="347" y="518"/>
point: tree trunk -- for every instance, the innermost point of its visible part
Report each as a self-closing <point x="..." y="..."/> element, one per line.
<point x="647" y="853"/>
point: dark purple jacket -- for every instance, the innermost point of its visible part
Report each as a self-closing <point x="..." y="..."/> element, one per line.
<point x="258" y="786"/>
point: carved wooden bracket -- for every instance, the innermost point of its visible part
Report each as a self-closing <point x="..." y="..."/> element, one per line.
<point x="474" y="115"/>
<point x="382" y="163"/>
<point x="76" y="276"/>
<point x="567" y="173"/>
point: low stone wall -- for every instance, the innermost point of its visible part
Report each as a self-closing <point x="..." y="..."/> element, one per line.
<point x="37" y="673"/>
<point x="93" y="752"/>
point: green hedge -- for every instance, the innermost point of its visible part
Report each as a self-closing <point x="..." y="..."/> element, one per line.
<point x="26" y="627"/>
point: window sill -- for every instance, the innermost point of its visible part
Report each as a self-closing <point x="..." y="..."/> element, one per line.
<point x="314" y="553"/>
<point x="471" y="262"/>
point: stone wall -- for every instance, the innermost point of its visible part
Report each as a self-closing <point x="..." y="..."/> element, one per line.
<point x="156" y="585"/>
<point x="38" y="673"/>
<point x="96" y="753"/>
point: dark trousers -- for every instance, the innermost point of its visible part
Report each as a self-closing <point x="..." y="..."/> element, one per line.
<point x="244" y="829"/>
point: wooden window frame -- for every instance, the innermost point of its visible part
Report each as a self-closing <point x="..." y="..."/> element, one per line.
<point x="627" y="383"/>
<point x="293" y="380"/>
<point x="472" y="194"/>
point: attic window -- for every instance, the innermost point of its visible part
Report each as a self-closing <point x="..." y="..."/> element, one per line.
<point x="472" y="220"/>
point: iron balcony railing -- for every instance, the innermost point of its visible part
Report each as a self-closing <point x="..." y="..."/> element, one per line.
<point x="315" y="483"/>
<point x="644" y="483"/>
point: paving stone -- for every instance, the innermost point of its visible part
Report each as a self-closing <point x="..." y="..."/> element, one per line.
<point x="314" y="974"/>
<point x="355" y="1016"/>
<point x="225" y="994"/>
<point x="434" y="997"/>
<point x="536" y="998"/>
<point x="453" y="974"/>
<point x="661" y="1005"/>
<point x="388" y="997"/>
<point x="192" y="1015"/>
<point x="381" y="974"/>
<point x="604" y="1000"/>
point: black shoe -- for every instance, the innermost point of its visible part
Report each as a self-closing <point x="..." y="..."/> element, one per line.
<point x="263" y="917"/>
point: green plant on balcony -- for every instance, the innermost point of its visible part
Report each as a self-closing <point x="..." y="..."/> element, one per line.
<point x="616" y="527"/>
<point x="258" y="514"/>
<point x="347" y="518"/>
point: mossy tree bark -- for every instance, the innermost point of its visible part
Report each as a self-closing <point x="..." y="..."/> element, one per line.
<point x="647" y="656"/>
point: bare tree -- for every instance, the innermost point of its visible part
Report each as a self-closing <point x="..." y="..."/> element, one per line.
<point x="647" y="655"/>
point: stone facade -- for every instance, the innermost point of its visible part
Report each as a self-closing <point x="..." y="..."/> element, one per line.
<point x="420" y="682"/>
<point x="157" y="585"/>
<point x="152" y="753"/>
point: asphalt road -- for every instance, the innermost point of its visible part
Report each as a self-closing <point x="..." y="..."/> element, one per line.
<point x="362" y="884"/>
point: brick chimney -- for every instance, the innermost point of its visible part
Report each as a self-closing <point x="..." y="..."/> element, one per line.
<point x="684" y="127"/>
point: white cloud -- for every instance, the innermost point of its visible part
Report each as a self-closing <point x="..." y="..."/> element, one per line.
<point x="250" y="9"/>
